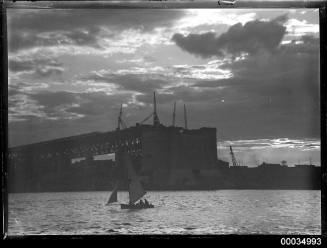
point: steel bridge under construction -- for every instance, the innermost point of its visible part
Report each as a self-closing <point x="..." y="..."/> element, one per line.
<point x="158" y="148"/>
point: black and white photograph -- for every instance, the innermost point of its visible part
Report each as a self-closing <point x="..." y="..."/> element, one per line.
<point x="186" y="121"/>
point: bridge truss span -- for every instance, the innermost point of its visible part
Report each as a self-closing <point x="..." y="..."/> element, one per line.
<point x="91" y="144"/>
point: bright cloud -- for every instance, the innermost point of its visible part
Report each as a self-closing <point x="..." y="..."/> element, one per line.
<point x="299" y="28"/>
<point x="255" y="152"/>
<point x="210" y="18"/>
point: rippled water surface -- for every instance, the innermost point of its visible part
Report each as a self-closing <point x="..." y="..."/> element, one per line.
<point x="180" y="212"/>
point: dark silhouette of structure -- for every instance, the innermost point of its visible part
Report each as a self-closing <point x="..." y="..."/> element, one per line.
<point x="165" y="157"/>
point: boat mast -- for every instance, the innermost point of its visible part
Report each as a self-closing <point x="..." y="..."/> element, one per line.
<point x="121" y="123"/>
<point x="174" y="114"/>
<point x="113" y="197"/>
<point x="185" y="117"/>
<point x="156" y="121"/>
<point x="135" y="188"/>
<point x="119" y="117"/>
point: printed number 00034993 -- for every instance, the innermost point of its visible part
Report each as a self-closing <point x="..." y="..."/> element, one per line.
<point x="300" y="241"/>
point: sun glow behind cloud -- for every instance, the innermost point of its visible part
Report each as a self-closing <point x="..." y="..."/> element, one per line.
<point x="299" y="28"/>
<point x="208" y="17"/>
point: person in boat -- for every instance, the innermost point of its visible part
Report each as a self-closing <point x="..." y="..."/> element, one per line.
<point x="146" y="203"/>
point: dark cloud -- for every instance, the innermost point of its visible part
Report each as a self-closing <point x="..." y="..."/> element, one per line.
<point x="86" y="104"/>
<point x="27" y="28"/>
<point x="277" y="94"/>
<point x="274" y="91"/>
<point x="150" y="59"/>
<point x="16" y="65"/>
<point x="95" y="111"/>
<point x="142" y="83"/>
<point x="148" y="83"/>
<point x="267" y="97"/>
<point x="53" y="99"/>
<point x="270" y="96"/>
<point x="18" y="40"/>
<point x="40" y="67"/>
<point x="25" y="132"/>
<point x="99" y="103"/>
<point x="186" y="94"/>
<point x="250" y="38"/>
<point x="130" y="82"/>
<point x="82" y="37"/>
<point x="67" y="20"/>
<point x="292" y="71"/>
<point x="162" y="98"/>
<point x="47" y="71"/>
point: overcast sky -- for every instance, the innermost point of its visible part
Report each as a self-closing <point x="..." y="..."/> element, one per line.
<point x="254" y="75"/>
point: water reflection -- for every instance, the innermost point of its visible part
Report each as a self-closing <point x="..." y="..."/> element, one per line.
<point x="181" y="212"/>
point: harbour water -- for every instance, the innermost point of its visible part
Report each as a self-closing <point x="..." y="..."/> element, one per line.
<point x="175" y="212"/>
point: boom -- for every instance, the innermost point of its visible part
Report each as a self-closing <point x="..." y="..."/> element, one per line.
<point x="233" y="157"/>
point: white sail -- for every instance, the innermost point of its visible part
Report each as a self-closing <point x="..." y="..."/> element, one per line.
<point x="113" y="196"/>
<point x="136" y="190"/>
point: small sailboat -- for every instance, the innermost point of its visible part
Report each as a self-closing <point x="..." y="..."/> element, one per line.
<point x="135" y="188"/>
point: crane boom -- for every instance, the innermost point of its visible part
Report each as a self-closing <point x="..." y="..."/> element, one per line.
<point x="121" y="123"/>
<point x="119" y="117"/>
<point x="156" y="121"/>
<point x="147" y="118"/>
<point x="233" y="157"/>
<point x="185" y="117"/>
<point x="174" y="114"/>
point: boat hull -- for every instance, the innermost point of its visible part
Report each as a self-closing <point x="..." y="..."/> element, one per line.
<point x="128" y="206"/>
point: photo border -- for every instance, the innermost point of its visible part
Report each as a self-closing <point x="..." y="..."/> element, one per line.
<point x="244" y="239"/>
